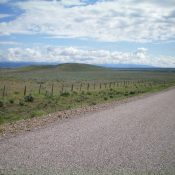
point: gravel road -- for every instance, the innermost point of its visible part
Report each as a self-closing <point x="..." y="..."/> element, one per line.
<point x="137" y="136"/>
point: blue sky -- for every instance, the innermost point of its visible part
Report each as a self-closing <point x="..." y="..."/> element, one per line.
<point x="88" y="31"/>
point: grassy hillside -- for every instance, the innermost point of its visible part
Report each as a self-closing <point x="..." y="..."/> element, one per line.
<point x="76" y="67"/>
<point x="83" y="72"/>
<point x="61" y="72"/>
<point x="66" y="67"/>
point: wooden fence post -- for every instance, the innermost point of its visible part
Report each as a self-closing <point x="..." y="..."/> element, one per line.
<point x="62" y="88"/>
<point x="39" y="88"/>
<point x="3" y="91"/>
<point x="72" y="87"/>
<point x="52" y="90"/>
<point x="25" y="89"/>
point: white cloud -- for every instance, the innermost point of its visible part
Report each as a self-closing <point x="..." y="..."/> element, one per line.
<point x="20" y="54"/>
<point x="70" y="3"/>
<point x="9" y="43"/>
<point x="72" y="54"/>
<point x="160" y="3"/>
<point x="4" y="15"/>
<point x="121" y="20"/>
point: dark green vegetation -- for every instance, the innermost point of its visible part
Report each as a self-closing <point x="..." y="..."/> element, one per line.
<point x="37" y="90"/>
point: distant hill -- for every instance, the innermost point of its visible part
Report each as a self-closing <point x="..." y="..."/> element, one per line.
<point x="35" y="68"/>
<point x="67" y="66"/>
<point x="18" y="64"/>
<point x="30" y="66"/>
<point x="127" y="66"/>
<point x="72" y="67"/>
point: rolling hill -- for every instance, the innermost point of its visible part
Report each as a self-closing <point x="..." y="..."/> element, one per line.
<point x="66" y="67"/>
<point x="71" y="67"/>
<point x="83" y="72"/>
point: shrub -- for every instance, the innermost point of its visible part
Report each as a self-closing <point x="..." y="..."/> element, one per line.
<point x="48" y="96"/>
<point x="92" y="103"/>
<point x="117" y="93"/>
<point x="1" y="130"/>
<point x="105" y="98"/>
<point x="82" y="93"/>
<point x="74" y="93"/>
<point x="28" y="98"/>
<point x="89" y="93"/>
<point x="21" y="102"/>
<point x="69" y="107"/>
<point x="65" y="94"/>
<point x="126" y="94"/>
<point x="78" y="100"/>
<point x="37" y="113"/>
<point x="1" y="104"/>
<point x="111" y="96"/>
<point x="11" y="101"/>
<point x="111" y="93"/>
<point x="142" y="91"/>
<point x="16" y="92"/>
<point x="132" y="92"/>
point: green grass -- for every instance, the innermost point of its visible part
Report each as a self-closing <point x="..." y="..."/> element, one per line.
<point x="69" y="86"/>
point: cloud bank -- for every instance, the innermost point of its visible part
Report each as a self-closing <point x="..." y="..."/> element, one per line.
<point x="71" y="54"/>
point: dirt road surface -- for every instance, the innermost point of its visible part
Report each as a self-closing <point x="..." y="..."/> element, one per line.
<point x="137" y="136"/>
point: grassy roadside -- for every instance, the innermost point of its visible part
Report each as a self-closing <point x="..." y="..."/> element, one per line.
<point x="17" y="107"/>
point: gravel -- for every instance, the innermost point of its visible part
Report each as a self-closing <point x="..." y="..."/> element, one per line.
<point x="134" y="136"/>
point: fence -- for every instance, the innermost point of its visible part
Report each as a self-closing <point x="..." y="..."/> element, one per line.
<point x="54" y="88"/>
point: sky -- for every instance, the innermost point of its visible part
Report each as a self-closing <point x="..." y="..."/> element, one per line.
<point x="88" y="31"/>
